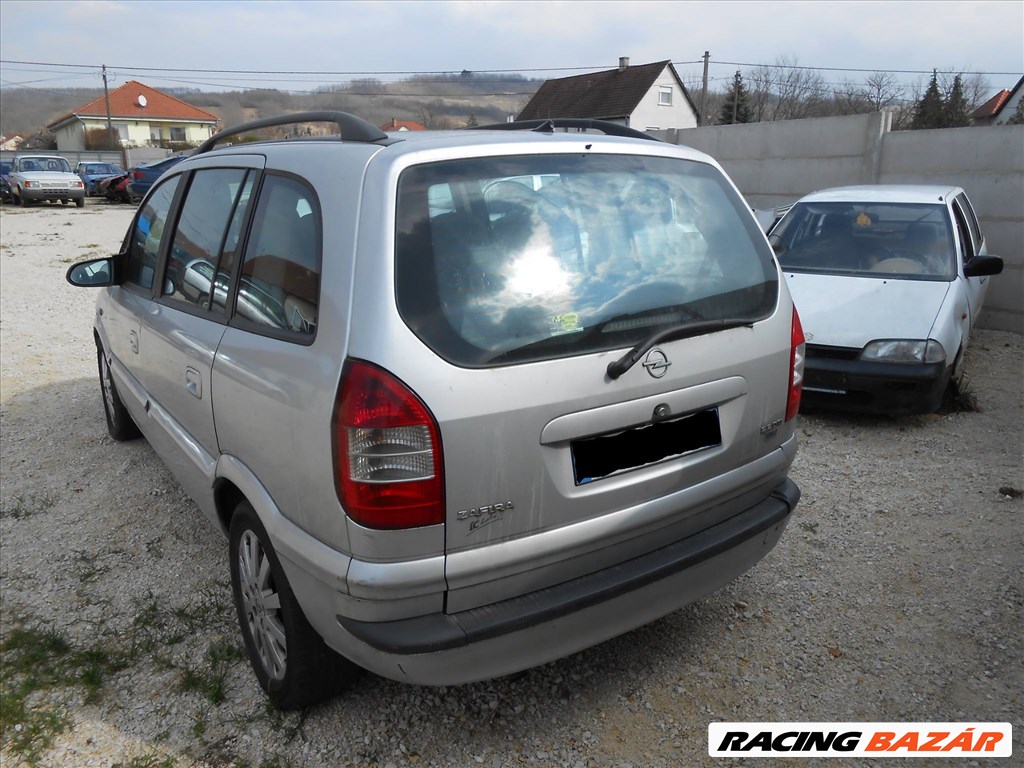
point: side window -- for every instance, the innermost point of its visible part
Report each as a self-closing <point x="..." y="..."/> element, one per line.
<point x="230" y="255"/>
<point x="202" y="226"/>
<point x="280" y="281"/>
<point x="963" y="234"/>
<point x="967" y="211"/>
<point x="147" y="234"/>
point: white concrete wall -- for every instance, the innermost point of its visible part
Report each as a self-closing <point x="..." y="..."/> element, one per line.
<point x="776" y="163"/>
<point x="649" y="113"/>
<point x="70" y="137"/>
<point x="988" y="162"/>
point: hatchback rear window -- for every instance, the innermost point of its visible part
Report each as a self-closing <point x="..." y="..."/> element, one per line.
<point x="518" y="259"/>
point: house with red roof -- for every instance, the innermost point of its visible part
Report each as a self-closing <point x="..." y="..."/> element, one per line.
<point x="140" y="115"/>
<point x="647" y="97"/>
<point x="1000" y="108"/>
<point x="394" y="124"/>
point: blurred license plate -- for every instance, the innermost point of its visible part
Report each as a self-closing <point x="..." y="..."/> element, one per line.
<point x="612" y="453"/>
<point x="830" y="382"/>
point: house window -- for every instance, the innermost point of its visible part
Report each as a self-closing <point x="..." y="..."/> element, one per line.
<point x="177" y="134"/>
<point x="665" y="96"/>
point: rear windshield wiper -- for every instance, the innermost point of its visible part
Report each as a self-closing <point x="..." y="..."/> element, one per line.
<point x="578" y="338"/>
<point x="673" y="333"/>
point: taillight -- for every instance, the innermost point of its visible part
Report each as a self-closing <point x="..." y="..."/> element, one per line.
<point x="796" y="367"/>
<point x="137" y="175"/>
<point x="389" y="471"/>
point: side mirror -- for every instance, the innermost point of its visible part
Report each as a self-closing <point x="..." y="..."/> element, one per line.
<point x="980" y="266"/>
<point x="94" y="273"/>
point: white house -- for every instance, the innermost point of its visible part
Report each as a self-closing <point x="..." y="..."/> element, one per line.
<point x="140" y="115"/>
<point x="648" y="97"/>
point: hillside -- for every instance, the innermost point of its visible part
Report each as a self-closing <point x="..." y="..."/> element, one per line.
<point x="438" y="101"/>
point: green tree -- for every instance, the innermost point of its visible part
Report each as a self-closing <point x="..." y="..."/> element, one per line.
<point x="471" y="121"/>
<point x="931" y="109"/>
<point x="955" y="107"/>
<point x="736" y="108"/>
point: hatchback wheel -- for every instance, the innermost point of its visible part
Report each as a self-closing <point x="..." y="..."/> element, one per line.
<point x="80" y="202"/>
<point x="119" y="422"/>
<point x="292" y="663"/>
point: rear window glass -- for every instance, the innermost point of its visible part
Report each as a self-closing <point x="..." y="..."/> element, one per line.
<point x="908" y="240"/>
<point x="516" y="259"/>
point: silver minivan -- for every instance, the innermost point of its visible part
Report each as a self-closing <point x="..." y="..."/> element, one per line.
<point x="463" y="402"/>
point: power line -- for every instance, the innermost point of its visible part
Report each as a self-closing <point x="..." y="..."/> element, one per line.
<point x="365" y="73"/>
<point x="853" y="69"/>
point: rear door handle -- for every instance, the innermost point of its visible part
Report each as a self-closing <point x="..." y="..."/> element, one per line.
<point x="133" y="341"/>
<point x="194" y="383"/>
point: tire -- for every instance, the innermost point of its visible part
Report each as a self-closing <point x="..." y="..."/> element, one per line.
<point x="80" y="202"/>
<point x="292" y="663"/>
<point x="119" y="422"/>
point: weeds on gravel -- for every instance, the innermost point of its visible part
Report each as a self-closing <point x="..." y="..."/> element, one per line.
<point x="21" y="505"/>
<point x="220" y="655"/>
<point x="38" y="660"/>
<point x="960" y="398"/>
<point x="147" y="761"/>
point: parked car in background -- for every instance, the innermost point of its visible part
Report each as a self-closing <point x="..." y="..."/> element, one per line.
<point x="115" y="188"/>
<point x="5" y="187"/>
<point x="141" y="177"/>
<point x="35" y="178"/>
<point x="91" y="173"/>
<point x="453" y="422"/>
<point x="889" y="281"/>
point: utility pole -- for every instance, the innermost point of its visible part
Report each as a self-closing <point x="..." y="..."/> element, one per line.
<point x="704" y="89"/>
<point x="106" y="97"/>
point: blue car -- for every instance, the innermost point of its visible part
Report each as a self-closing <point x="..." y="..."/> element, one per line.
<point x="92" y="173"/>
<point x="5" y="188"/>
<point x="143" y="176"/>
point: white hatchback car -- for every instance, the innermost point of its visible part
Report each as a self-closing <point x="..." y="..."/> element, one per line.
<point x="889" y="281"/>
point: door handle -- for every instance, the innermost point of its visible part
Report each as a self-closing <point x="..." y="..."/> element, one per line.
<point x="194" y="383"/>
<point x="133" y="341"/>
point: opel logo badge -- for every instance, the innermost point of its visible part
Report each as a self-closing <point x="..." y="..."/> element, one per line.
<point x="656" y="363"/>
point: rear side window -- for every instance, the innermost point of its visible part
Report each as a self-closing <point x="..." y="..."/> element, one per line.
<point x="515" y="259"/>
<point x="279" y="286"/>
<point x="202" y="227"/>
<point x="147" y="235"/>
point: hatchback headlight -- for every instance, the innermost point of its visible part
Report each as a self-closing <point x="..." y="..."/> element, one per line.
<point x="904" y="351"/>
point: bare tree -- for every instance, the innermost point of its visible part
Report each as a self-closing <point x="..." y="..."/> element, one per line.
<point x="881" y="90"/>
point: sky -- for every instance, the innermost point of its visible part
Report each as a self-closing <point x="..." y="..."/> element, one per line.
<point x="344" y="40"/>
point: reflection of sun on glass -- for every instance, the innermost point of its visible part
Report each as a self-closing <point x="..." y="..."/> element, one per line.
<point x="537" y="273"/>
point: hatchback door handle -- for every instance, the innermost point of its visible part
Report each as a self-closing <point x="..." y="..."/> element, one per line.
<point x="194" y="383"/>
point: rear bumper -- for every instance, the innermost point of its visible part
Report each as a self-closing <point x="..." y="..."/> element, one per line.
<point x="523" y="632"/>
<point x="872" y="387"/>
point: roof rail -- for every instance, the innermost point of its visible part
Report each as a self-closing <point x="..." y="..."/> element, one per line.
<point x="352" y="128"/>
<point x="548" y="125"/>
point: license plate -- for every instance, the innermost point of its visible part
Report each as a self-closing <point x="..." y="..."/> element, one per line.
<point x="828" y="382"/>
<point x="610" y="454"/>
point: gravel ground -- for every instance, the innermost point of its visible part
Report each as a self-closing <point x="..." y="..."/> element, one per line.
<point x="895" y="594"/>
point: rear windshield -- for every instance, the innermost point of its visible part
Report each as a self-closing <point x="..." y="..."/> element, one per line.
<point x="906" y="240"/>
<point x="518" y="259"/>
